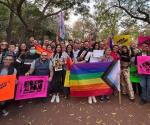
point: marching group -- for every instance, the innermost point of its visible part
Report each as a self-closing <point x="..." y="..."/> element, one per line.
<point x="24" y="60"/>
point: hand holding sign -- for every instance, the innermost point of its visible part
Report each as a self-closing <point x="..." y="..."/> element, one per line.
<point x="143" y="64"/>
<point x="7" y="87"/>
<point x="122" y="40"/>
<point x="32" y="87"/>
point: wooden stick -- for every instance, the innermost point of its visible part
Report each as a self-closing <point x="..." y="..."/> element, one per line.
<point x="120" y="97"/>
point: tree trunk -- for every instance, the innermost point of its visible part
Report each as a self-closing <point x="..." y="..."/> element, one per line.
<point x="10" y="26"/>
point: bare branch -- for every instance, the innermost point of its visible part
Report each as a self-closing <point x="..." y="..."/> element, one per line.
<point x="145" y="19"/>
<point x="46" y="6"/>
<point x="57" y="12"/>
<point x="144" y="13"/>
<point x="19" y="12"/>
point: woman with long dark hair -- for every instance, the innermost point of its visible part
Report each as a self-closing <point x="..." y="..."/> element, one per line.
<point x="69" y="51"/>
<point x="126" y="85"/>
<point x="59" y="62"/>
<point x="92" y="57"/>
<point x="21" y="55"/>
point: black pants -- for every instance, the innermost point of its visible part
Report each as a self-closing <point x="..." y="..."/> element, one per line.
<point x="3" y="105"/>
<point x="136" y="88"/>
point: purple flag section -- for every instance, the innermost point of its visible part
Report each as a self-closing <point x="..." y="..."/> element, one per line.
<point x="61" y="25"/>
<point x="111" y="43"/>
<point x="31" y="87"/>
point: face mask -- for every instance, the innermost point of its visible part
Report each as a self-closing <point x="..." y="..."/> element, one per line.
<point x="32" y="51"/>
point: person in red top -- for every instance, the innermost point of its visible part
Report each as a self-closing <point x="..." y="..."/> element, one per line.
<point x="115" y="52"/>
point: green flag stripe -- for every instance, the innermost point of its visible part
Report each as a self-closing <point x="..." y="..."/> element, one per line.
<point x="86" y="76"/>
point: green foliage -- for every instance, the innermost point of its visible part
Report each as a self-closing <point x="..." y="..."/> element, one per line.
<point x="82" y="28"/>
<point x="106" y="19"/>
<point x="37" y="17"/>
<point x="4" y="15"/>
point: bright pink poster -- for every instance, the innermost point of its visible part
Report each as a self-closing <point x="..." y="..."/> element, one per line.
<point x="31" y="87"/>
<point x="143" y="39"/>
<point x="143" y="64"/>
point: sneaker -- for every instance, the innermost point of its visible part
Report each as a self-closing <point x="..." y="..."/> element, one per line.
<point x="107" y="97"/>
<point x="20" y="106"/>
<point x="57" y="99"/>
<point x="53" y="98"/>
<point x="94" y="99"/>
<point x="102" y="98"/>
<point x="66" y="96"/>
<point x="132" y="98"/>
<point x="90" y="100"/>
<point x="4" y="113"/>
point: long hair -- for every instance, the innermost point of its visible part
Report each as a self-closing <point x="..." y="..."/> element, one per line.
<point x="71" y="53"/>
<point x="55" y="51"/>
<point x="19" y="51"/>
<point x="128" y="51"/>
<point x="94" y="46"/>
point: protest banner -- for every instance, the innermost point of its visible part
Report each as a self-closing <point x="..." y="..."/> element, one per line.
<point x="7" y="87"/>
<point x="31" y="87"/>
<point x="134" y="77"/>
<point x="143" y="64"/>
<point x="144" y="39"/>
<point x="98" y="53"/>
<point x="122" y="40"/>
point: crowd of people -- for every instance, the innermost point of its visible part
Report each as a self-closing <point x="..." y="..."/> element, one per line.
<point x="23" y="60"/>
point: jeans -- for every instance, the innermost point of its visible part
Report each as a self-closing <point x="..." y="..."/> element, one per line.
<point x="145" y="85"/>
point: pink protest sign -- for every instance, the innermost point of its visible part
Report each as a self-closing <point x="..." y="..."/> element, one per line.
<point x="143" y="39"/>
<point x="143" y="64"/>
<point x="31" y="87"/>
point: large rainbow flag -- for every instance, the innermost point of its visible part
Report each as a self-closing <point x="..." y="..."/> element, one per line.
<point x="86" y="79"/>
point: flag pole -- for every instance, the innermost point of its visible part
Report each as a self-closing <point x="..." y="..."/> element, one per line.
<point x="120" y="101"/>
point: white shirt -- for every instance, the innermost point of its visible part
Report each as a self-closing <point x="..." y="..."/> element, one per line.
<point x="89" y="57"/>
<point x="75" y="54"/>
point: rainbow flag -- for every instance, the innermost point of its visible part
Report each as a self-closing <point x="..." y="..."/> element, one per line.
<point x="86" y="79"/>
<point x="40" y="49"/>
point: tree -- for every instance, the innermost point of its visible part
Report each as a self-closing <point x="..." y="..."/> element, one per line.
<point x="4" y="15"/>
<point x="47" y="7"/>
<point x="44" y="9"/>
<point x="137" y="9"/>
<point x="82" y="28"/>
<point x="106" y="20"/>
